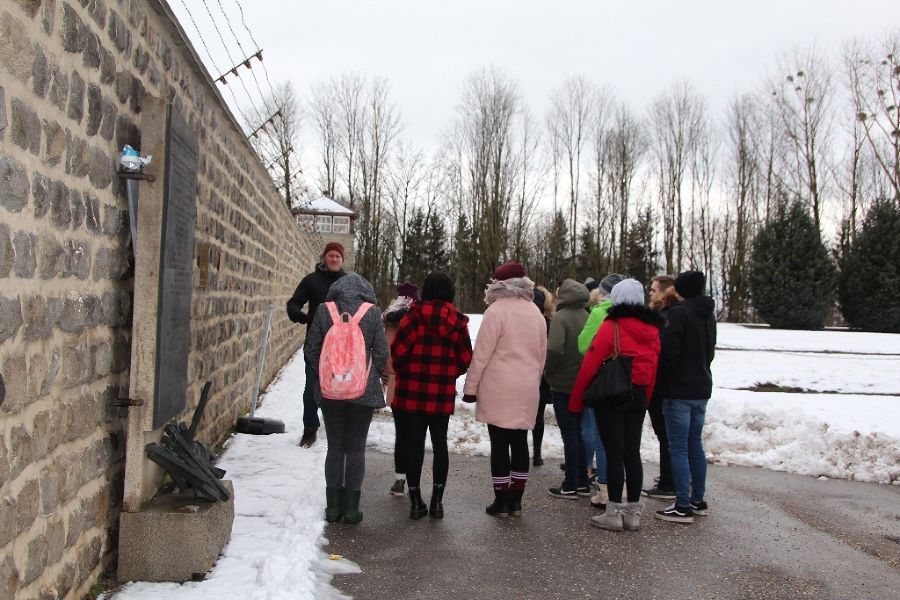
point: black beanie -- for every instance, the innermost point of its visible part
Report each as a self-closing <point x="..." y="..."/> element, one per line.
<point x="438" y="286"/>
<point x="690" y="284"/>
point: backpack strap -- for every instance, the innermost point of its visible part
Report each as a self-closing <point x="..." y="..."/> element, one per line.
<point x="361" y="312"/>
<point x="333" y="311"/>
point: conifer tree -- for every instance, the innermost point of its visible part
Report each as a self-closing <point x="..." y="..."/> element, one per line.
<point x="791" y="277"/>
<point x="869" y="285"/>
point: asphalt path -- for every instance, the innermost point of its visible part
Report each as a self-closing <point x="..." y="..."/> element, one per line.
<point x="769" y="535"/>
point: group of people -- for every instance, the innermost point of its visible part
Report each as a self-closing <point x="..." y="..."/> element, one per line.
<point x="534" y="348"/>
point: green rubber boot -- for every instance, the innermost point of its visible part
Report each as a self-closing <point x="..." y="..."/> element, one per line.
<point x="352" y="514"/>
<point x="333" y="509"/>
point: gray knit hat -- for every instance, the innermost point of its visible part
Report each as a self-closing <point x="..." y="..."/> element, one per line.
<point x="609" y="282"/>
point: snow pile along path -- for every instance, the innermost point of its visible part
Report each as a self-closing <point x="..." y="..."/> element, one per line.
<point x="275" y="547"/>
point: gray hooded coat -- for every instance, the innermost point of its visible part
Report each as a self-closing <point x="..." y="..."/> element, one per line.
<point x="563" y="357"/>
<point x="349" y="292"/>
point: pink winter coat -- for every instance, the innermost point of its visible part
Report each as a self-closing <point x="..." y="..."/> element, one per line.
<point x="505" y="373"/>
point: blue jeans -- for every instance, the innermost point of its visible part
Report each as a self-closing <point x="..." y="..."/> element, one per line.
<point x="684" y="426"/>
<point x="573" y="444"/>
<point x="310" y="408"/>
<point x="593" y="445"/>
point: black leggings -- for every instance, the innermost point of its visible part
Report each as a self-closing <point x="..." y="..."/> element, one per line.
<point x="620" y="429"/>
<point x="399" y="441"/>
<point x="537" y="434"/>
<point x="509" y="451"/>
<point x="414" y="426"/>
<point x="659" y="428"/>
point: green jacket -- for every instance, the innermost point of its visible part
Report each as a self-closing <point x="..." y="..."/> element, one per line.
<point x="598" y="315"/>
<point x="563" y="359"/>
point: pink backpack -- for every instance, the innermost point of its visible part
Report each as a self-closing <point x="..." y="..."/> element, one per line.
<point x="343" y="369"/>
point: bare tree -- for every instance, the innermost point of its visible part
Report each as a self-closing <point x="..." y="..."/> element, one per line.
<point x="323" y="114"/>
<point x="874" y="82"/>
<point x="277" y="140"/>
<point x="676" y="118"/>
<point x="625" y="147"/>
<point x="802" y="98"/>
<point x="571" y="116"/>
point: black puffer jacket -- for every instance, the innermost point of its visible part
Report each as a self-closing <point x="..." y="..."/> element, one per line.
<point x="349" y="293"/>
<point x="312" y="289"/>
<point x="688" y="345"/>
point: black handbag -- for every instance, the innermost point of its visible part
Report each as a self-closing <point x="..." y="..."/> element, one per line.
<point x="611" y="386"/>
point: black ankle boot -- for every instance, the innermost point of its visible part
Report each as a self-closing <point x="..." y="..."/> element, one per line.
<point x="417" y="508"/>
<point x="436" y="509"/>
<point x="500" y="507"/>
<point x="515" y="503"/>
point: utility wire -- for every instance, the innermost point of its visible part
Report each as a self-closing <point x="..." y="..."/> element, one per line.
<point x="253" y="39"/>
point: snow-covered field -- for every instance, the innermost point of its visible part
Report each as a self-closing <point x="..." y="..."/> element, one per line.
<point x="849" y="428"/>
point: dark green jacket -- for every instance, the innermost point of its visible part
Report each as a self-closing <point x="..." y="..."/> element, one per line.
<point x="563" y="359"/>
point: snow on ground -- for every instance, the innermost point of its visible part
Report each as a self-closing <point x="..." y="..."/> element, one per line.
<point x="849" y="429"/>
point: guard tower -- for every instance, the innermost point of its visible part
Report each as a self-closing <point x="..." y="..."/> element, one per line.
<point x="331" y="221"/>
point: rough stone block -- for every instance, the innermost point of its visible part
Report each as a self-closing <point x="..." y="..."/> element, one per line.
<point x="29" y="7"/>
<point x="54" y="142"/>
<point x="4" y="477"/>
<point x="6" y="251"/>
<point x="110" y="263"/>
<point x="115" y="221"/>
<point x="74" y="33"/>
<point x="123" y="86"/>
<point x="76" y="259"/>
<point x="145" y="549"/>
<point x="60" y="208"/>
<point x="66" y="580"/>
<point x="59" y="87"/>
<point x="14" y="187"/>
<point x="91" y="212"/>
<point x="50" y="484"/>
<point x="56" y="536"/>
<point x="100" y="171"/>
<point x="76" y="365"/>
<point x="24" y="244"/>
<point x="137" y="95"/>
<point x="40" y="194"/>
<point x="4" y="121"/>
<point x="9" y="577"/>
<point x="40" y="73"/>
<point x="25" y="129"/>
<point x="10" y="317"/>
<point x="41" y="427"/>
<point x="40" y="315"/>
<point x="116" y="308"/>
<point x="53" y="365"/>
<point x="50" y="254"/>
<point x="94" y="113"/>
<point x="107" y="66"/>
<point x="91" y="57"/>
<point x="48" y="20"/>
<point x="14" y="378"/>
<point x="97" y="10"/>
<point x="119" y="33"/>
<point x="127" y="133"/>
<point x="16" y="49"/>
<point x="121" y="354"/>
<point x="35" y="559"/>
<point x="77" y="162"/>
<point x="76" y="207"/>
<point x="88" y="559"/>
<point x="102" y="359"/>
<point x="28" y="501"/>
<point x="76" y="98"/>
<point x="108" y="122"/>
<point x="7" y="522"/>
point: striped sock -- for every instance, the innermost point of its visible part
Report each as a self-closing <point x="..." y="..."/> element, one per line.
<point x="518" y="480"/>
<point x="501" y="484"/>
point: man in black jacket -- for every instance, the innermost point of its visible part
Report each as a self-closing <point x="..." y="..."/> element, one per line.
<point x="687" y="348"/>
<point x="312" y="289"/>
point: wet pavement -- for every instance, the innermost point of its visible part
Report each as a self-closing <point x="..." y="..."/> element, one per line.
<point x="768" y="536"/>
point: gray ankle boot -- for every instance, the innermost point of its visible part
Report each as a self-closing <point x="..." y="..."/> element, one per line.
<point x="611" y="520"/>
<point x="631" y="516"/>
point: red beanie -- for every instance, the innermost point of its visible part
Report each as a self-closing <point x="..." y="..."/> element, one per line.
<point x="333" y="246"/>
<point x="509" y="270"/>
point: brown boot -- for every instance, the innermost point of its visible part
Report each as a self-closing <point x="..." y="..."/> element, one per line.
<point x="309" y="437"/>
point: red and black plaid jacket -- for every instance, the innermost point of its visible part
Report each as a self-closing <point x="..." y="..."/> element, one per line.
<point x="430" y="350"/>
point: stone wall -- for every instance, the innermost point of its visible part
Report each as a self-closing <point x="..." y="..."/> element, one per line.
<point x="73" y="76"/>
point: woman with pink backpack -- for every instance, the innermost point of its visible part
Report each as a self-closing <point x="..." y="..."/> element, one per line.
<point x="346" y="344"/>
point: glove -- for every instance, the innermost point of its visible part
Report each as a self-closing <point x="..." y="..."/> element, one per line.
<point x="469" y="398"/>
<point x="300" y="317"/>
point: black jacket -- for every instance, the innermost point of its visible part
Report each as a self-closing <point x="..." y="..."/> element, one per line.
<point x="688" y="346"/>
<point x="312" y="289"/>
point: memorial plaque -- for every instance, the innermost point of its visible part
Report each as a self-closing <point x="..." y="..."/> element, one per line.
<point x="176" y="261"/>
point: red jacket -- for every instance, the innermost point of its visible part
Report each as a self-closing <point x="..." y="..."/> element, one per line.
<point x="430" y="350"/>
<point x="638" y="338"/>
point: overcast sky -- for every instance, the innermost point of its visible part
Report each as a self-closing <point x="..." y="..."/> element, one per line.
<point x="426" y="48"/>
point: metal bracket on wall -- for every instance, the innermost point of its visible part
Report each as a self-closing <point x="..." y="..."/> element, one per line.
<point x="123" y="404"/>
<point x="139" y="176"/>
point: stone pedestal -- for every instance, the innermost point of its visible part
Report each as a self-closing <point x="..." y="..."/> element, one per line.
<point x="173" y="538"/>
